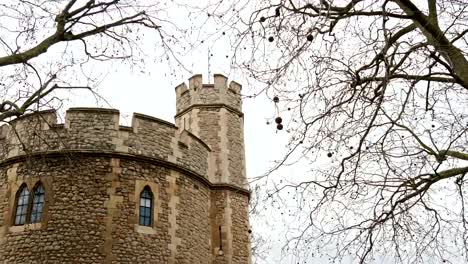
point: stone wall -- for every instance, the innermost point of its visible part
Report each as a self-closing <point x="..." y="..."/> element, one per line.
<point x="91" y="214"/>
<point x="73" y="225"/>
<point x="213" y="112"/>
<point x="239" y="205"/>
<point x="229" y="211"/>
<point x="235" y="140"/>
<point x="98" y="130"/>
<point x="208" y="120"/>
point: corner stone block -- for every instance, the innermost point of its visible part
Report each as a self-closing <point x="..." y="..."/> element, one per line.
<point x="195" y="82"/>
<point x="39" y="120"/>
<point x="4" y="130"/>
<point x="49" y="119"/>
<point x="89" y="118"/>
<point x="235" y="87"/>
<point x="220" y="82"/>
<point x="180" y="89"/>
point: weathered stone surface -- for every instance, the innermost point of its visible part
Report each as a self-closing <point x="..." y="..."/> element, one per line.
<point x="214" y="114"/>
<point x="98" y="130"/>
<point x="93" y="171"/>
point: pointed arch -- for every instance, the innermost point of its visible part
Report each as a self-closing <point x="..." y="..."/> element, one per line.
<point x="38" y="201"/>
<point x="146" y="207"/>
<point x="22" y="205"/>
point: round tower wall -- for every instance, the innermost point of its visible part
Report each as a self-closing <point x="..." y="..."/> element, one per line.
<point x="91" y="214"/>
<point x="213" y="112"/>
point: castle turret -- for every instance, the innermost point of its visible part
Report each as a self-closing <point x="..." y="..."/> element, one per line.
<point x="213" y="112"/>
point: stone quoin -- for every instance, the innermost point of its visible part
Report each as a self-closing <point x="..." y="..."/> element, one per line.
<point x="92" y="191"/>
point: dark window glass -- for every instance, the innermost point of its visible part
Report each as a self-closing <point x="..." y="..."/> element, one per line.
<point x="146" y="207"/>
<point x="38" y="204"/>
<point x="22" y="203"/>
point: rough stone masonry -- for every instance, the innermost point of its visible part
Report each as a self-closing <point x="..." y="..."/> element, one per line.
<point x="93" y="172"/>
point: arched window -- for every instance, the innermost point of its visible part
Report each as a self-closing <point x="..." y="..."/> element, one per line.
<point x="37" y="204"/>
<point x="22" y="204"/>
<point x="29" y="206"/>
<point x="146" y="207"/>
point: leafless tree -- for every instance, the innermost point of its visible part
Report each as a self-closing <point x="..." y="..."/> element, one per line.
<point x="374" y="94"/>
<point x="45" y="45"/>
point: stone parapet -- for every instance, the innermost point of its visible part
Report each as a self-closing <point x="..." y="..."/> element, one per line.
<point x="98" y="130"/>
<point x="217" y="94"/>
<point x="213" y="113"/>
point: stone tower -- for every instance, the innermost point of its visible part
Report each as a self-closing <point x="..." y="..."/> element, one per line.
<point x="92" y="191"/>
<point x="213" y="112"/>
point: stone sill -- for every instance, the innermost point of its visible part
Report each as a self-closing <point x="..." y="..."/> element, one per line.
<point x="26" y="227"/>
<point x="148" y="230"/>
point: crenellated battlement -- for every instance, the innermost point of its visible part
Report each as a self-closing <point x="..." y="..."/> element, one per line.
<point x="208" y="138"/>
<point x="213" y="112"/>
<point x="219" y="93"/>
<point x="98" y="130"/>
